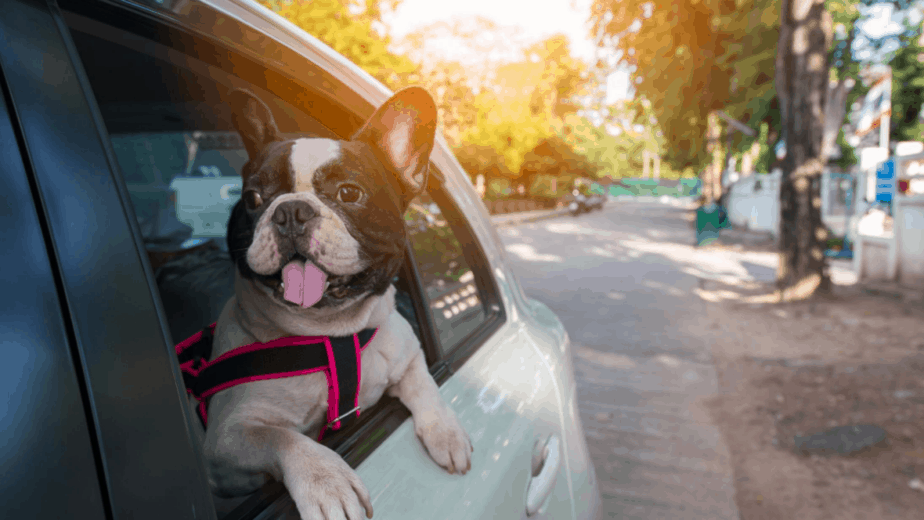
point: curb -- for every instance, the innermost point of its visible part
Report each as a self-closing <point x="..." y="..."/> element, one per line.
<point x="892" y="290"/>
<point x="513" y="219"/>
<point x="527" y="216"/>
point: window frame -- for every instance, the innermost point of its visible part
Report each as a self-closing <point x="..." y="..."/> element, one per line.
<point x="356" y="443"/>
<point x="474" y="255"/>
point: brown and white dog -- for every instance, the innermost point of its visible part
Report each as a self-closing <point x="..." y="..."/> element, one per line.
<point x="317" y="238"/>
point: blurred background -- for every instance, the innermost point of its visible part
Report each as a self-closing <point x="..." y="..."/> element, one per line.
<point x="746" y="317"/>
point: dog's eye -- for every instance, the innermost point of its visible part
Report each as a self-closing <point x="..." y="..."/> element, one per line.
<point x="349" y="193"/>
<point x="252" y="199"/>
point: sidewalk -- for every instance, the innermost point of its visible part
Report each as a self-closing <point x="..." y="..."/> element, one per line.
<point x="660" y="455"/>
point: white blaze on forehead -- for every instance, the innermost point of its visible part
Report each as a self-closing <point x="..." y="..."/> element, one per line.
<point x="307" y="156"/>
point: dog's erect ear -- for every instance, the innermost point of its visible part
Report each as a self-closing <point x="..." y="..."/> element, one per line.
<point x="402" y="131"/>
<point x="253" y="121"/>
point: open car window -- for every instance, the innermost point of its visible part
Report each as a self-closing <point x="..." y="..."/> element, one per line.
<point x="180" y="159"/>
<point x="159" y="91"/>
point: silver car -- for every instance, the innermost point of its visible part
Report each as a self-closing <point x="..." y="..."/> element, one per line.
<point x="134" y="167"/>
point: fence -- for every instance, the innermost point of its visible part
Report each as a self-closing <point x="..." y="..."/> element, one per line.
<point x="897" y="256"/>
<point x="500" y="207"/>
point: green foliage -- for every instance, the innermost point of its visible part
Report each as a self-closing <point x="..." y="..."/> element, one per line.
<point x="751" y="59"/>
<point x="480" y="159"/>
<point x="554" y="156"/>
<point x="563" y="77"/>
<point x="436" y="248"/>
<point x="767" y="154"/>
<point x="350" y="28"/>
<point x="693" y="56"/>
<point x="455" y="99"/>
<point x="908" y="88"/>
<point x="498" y="188"/>
<point x="541" y="186"/>
<point x="684" y="57"/>
<point x="526" y="105"/>
<point x="848" y="154"/>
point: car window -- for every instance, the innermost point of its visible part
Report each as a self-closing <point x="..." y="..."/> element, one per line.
<point x="454" y="299"/>
<point x="180" y="159"/>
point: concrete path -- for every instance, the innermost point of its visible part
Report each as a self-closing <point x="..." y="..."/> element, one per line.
<point x="625" y="292"/>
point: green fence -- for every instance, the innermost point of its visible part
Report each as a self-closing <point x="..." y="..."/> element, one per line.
<point x="651" y="187"/>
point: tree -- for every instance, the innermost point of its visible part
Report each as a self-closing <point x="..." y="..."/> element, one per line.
<point x="555" y="157"/>
<point x="802" y="75"/>
<point x="520" y="103"/>
<point x="563" y="78"/>
<point x="673" y="48"/>
<point x="481" y="159"/>
<point x="455" y="99"/>
<point x="353" y="28"/>
<point x="908" y="88"/>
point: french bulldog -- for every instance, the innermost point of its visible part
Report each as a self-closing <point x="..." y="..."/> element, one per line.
<point x="317" y="238"/>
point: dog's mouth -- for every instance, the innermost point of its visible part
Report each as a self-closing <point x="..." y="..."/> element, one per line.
<point x="301" y="283"/>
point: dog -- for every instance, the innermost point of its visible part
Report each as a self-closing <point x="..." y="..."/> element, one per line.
<point x="317" y="239"/>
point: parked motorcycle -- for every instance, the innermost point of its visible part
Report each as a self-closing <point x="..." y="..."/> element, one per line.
<point x="586" y="203"/>
<point x="578" y="206"/>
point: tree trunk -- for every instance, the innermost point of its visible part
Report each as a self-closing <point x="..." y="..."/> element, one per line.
<point x="748" y="158"/>
<point x="718" y="159"/>
<point x="802" y="70"/>
<point x="729" y="152"/>
<point x="712" y="183"/>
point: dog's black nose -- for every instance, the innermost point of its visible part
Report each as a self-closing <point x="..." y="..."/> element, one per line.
<point x="291" y="216"/>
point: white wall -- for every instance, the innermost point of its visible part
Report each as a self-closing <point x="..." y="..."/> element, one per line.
<point x="909" y="231"/>
<point x="753" y="203"/>
<point x="897" y="256"/>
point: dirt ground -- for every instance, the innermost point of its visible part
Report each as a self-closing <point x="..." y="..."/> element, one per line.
<point x="797" y="369"/>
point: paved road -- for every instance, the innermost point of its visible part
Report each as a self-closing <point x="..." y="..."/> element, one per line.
<point x="622" y="281"/>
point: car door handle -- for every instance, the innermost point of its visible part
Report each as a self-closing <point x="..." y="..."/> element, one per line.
<point x="542" y="483"/>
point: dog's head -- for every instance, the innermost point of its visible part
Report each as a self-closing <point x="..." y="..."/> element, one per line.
<point x="320" y="221"/>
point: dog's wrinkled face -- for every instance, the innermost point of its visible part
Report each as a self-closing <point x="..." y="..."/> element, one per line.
<point x="320" y="222"/>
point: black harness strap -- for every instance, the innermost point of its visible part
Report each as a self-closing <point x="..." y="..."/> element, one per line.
<point x="347" y="358"/>
<point x="280" y="358"/>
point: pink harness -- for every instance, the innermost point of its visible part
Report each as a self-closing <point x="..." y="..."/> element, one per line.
<point x="340" y="359"/>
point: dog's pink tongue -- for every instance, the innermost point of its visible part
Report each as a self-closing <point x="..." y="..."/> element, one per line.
<point x="304" y="283"/>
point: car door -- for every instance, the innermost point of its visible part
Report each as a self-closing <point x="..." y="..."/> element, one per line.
<point x="46" y="434"/>
<point x="498" y="387"/>
<point x="141" y="440"/>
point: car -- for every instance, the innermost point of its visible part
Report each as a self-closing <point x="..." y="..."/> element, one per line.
<point x="585" y="201"/>
<point x="120" y="167"/>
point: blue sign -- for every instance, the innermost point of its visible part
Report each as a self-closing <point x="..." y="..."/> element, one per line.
<point x="885" y="181"/>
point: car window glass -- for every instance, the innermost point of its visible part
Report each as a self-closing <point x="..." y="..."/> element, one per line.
<point x="453" y="297"/>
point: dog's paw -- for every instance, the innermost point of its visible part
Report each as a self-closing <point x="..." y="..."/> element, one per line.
<point x="447" y="442"/>
<point x="326" y="488"/>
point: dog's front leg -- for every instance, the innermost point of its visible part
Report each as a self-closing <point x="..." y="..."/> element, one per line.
<point x="434" y="422"/>
<point x="323" y="486"/>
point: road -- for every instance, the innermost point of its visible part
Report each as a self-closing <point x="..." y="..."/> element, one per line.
<point x="623" y="281"/>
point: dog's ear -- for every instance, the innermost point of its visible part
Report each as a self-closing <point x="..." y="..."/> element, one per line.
<point x="402" y="131"/>
<point x="253" y="121"/>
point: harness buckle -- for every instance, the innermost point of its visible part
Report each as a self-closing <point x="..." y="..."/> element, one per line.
<point x="330" y="424"/>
